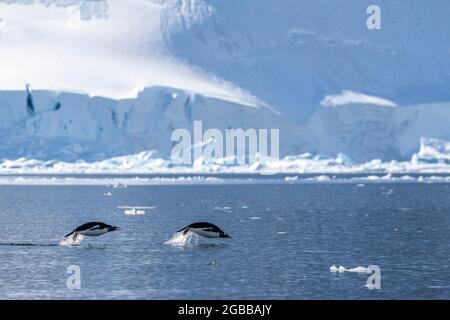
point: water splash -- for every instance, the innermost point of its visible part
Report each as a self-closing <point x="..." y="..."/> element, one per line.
<point x="179" y="239"/>
<point x="69" y="241"/>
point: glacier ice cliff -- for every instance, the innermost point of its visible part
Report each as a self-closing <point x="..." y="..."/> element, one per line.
<point x="70" y="126"/>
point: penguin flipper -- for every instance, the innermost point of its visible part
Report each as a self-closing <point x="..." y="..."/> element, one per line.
<point x="69" y="234"/>
<point x="181" y="230"/>
<point x="184" y="231"/>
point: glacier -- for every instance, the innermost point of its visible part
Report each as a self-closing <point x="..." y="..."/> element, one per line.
<point x="70" y="126"/>
<point x="109" y="82"/>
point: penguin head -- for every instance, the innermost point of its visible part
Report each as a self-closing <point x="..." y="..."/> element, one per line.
<point x="223" y="235"/>
<point x="113" y="228"/>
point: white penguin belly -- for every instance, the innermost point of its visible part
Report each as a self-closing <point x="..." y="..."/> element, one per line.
<point x="93" y="233"/>
<point x="206" y="234"/>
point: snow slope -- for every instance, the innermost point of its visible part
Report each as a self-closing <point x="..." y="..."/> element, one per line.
<point x="110" y="48"/>
<point x="292" y="53"/>
<point x="289" y="54"/>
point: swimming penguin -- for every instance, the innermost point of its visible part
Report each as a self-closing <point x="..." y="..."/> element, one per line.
<point x="92" y="229"/>
<point x="205" y="229"/>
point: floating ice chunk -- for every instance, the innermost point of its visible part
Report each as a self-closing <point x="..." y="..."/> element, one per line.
<point x="294" y="178"/>
<point x="359" y="270"/>
<point x="135" y="211"/>
<point x="320" y="178"/>
<point x="342" y="269"/>
<point x="333" y="268"/>
<point x="222" y="208"/>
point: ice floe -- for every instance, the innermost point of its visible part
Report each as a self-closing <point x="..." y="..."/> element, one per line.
<point x="342" y="269"/>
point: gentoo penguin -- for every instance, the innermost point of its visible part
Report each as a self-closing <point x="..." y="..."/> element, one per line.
<point x="205" y="229"/>
<point x="92" y="229"/>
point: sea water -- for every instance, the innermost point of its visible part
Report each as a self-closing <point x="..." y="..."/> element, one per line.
<point x="285" y="238"/>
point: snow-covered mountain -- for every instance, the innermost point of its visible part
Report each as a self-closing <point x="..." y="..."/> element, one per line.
<point x="110" y="48"/>
<point x="292" y="53"/>
<point x="111" y="78"/>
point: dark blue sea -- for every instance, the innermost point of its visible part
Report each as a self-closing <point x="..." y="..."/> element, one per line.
<point x="285" y="238"/>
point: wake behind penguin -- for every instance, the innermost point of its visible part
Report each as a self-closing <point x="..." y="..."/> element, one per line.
<point x="90" y="229"/>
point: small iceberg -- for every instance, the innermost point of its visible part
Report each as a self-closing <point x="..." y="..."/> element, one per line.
<point x="120" y="185"/>
<point x="135" y="211"/>
<point x="342" y="269"/>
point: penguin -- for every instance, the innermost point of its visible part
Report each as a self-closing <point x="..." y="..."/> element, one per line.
<point x="205" y="229"/>
<point x="92" y="229"/>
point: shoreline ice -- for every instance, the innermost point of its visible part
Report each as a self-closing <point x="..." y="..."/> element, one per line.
<point x="125" y="181"/>
<point x="432" y="158"/>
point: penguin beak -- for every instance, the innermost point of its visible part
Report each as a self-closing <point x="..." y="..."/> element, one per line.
<point x="113" y="228"/>
<point x="225" y="236"/>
